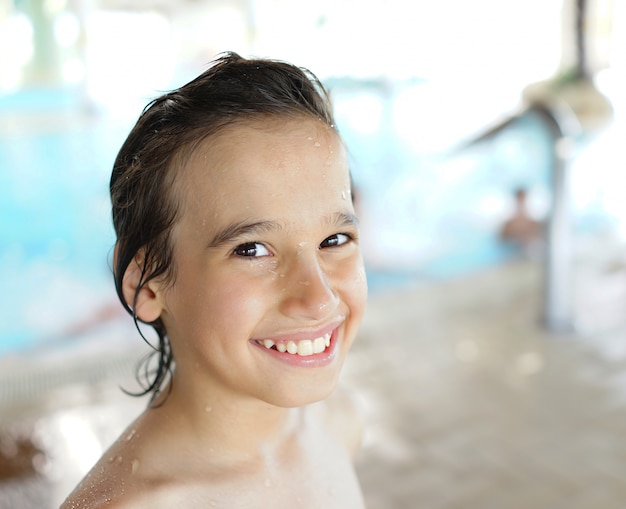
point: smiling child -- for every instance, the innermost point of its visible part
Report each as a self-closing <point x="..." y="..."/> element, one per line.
<point x="237" y="241"/>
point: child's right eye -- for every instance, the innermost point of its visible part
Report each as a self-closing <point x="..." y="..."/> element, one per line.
<point x="251" y="249"/>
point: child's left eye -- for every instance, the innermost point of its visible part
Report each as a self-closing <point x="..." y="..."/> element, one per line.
<point x="336" y="240"/>
<point x="251" y="249"/>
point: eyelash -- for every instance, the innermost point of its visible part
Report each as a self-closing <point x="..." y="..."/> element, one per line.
<point x="347" y="236"/>
<point x="249" y="249"/>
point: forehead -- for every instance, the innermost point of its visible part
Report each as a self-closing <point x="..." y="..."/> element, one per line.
<point x="279" y="157"/>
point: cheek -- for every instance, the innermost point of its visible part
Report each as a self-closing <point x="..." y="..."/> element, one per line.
<point x="201" y="306"/>
<point x="354" y="287"/>
<point x="236" y="303"/>
<point x="360" y="289"/>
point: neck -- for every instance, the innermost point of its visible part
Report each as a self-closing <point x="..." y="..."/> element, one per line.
<point x="232" y="426"/>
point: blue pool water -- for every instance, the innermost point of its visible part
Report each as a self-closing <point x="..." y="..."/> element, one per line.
<point x="426" y="217"/>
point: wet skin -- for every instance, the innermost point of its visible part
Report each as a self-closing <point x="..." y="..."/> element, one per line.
<point x="266" y="254"/>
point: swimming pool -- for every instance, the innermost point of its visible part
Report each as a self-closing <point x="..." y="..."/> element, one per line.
<point x="54" y="220"/>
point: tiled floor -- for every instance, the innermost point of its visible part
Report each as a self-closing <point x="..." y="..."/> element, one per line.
<point x="470" y="404"/>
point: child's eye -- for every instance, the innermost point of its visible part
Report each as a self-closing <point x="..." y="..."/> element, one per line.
<point x="336" y="240"/>
<point x="251" y="249"/>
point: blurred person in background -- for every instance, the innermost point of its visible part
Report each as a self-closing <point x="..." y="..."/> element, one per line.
<point x="520" y="230"/>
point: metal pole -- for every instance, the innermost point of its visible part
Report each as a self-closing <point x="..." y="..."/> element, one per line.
<point x="558" y="309"/>
<point x="558" y="269"/>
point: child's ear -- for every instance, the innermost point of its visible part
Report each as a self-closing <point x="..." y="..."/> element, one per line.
<point x="148" y="304"/>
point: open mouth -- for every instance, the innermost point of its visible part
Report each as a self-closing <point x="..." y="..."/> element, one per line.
<point x="303" y="347"/>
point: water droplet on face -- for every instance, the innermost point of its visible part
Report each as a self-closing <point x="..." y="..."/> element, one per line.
<point x="343" y="195"/>
<point x="134" y="466"/>
<point x="317" y="144"/>
<point x="130" y="435"/>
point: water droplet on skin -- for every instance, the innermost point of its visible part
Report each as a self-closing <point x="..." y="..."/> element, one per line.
<point x="130" y="435"/>
<point x="343" y="195"/>
<point x="134" y="466"/>
<point x="317" y="144"/>
<point x="118" y="459"/>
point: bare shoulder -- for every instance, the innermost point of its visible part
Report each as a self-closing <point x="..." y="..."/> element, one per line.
<point x="343" y="413"/>
<point x="109" y="484"/>
<point x="116" y="481"/>
<point x="95" y="497"/>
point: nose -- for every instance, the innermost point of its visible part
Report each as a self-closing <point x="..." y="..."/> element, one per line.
<point x="308" y="292"/>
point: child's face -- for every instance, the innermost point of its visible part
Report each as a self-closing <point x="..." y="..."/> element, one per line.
<point x="266" y="257"/>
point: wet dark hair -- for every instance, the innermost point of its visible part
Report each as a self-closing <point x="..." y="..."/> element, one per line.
<point x="232" y="90"/>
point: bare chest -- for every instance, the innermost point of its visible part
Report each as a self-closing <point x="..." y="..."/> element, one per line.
<point x="321" y="480"/>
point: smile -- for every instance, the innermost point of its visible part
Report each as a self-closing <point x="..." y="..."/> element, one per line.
<point x="303" y="347"/>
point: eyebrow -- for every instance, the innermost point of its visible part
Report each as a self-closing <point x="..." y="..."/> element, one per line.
<point x="240" y="229"/>
<point x="343" y="219"/>
<point x="236" y="230"/>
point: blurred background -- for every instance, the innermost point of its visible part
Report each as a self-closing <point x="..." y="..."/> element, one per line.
<point x="486" y="142"/>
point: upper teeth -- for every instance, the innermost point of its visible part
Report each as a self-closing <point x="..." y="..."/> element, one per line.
<point x="302" y="347"/>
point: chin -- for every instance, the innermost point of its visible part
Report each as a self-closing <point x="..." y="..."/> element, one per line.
<point x="305" y="395"/>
